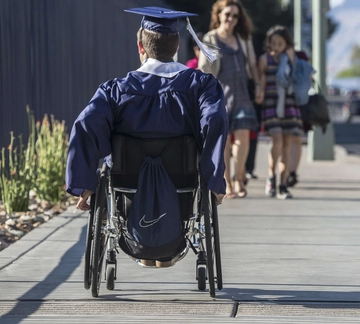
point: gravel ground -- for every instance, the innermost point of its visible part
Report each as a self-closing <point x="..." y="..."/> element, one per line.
<point x="13" y="227"/>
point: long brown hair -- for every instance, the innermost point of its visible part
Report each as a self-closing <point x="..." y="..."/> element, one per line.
<point x="244" y="26"/>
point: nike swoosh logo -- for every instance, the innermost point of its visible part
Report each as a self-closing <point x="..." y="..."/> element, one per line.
<point x="144" y="223"/>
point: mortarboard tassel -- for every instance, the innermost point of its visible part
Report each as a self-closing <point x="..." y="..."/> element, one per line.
<point x="210" y="54"/>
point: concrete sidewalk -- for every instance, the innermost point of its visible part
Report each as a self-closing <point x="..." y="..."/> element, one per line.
<point x="293" y="261"/>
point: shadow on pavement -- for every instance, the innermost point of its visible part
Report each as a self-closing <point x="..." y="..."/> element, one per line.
<point x="56" y="277"/>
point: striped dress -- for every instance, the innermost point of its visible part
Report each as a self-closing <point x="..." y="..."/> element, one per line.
<point x="291" y="123"/>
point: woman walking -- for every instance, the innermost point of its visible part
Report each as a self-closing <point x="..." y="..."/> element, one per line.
<point x="230" y="31"/>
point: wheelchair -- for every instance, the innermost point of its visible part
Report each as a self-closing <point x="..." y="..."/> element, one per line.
<point x="109" y="208"/>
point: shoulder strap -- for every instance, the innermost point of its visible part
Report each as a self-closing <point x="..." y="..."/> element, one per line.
<point x="317" y="86"/>
<point x="251" y="57"/>
<point x="248" y="59"/>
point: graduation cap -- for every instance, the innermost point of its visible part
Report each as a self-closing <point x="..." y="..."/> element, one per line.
<point x="163" y="20"/>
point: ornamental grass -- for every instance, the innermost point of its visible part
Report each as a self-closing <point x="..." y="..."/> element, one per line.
<point x="40" y="166"/>
<point x="17" y="170"/>
<point x="51" y="154"/>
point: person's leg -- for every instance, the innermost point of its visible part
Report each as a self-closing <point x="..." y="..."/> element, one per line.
<point x="254" y="136"/>
<point x="285" y="158"/>
<point x="240" y="151"/>
<point x="250" y="161"/>
<point x="295" y="153"/>
<point x="249" y="164"/>
<point x="227" y="157"/>
<point x="295" y="156"/>
<point x="274" y="155"/>
<point x="284" y="167"/>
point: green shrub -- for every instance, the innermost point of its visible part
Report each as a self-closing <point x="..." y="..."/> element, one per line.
<point x="51" y="153"/>
<point x="40" y="166"/>
<point x="16" y="176"/>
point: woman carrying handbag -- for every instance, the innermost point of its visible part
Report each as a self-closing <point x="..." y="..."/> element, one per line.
<point x="230" y="32"/>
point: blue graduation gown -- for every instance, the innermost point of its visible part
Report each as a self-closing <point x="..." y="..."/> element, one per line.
<point x="156" y="101"/>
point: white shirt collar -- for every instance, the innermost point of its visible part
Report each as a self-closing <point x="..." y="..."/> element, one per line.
<point x="167" y="70"/>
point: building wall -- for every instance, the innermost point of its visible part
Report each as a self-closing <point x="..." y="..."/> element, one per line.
<point x="54" y="54"/>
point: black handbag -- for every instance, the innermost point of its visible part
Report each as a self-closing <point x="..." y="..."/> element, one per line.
<point x="316" y="112"/>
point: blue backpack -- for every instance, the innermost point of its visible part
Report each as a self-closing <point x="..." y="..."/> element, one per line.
<point x="154" y="228"/>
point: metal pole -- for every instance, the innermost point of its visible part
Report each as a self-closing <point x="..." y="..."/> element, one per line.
<point x="319" y="36"/>
<point x="297" y="24"/>
<point x="320" y="145"/>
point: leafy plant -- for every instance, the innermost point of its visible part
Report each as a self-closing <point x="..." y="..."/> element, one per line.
<point x="16" y="176"/>
<point x="354" y="70"/>
<point x="51" y="154"/>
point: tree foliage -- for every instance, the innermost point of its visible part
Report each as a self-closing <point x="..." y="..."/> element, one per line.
<point x="354" y="70"/>
<point x="351" y="72"/>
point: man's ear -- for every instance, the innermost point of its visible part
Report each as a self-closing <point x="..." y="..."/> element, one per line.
<point x="141" y="49"/>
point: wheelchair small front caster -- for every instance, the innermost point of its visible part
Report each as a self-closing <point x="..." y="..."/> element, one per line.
<point x="111" y="270"/>
<point x="201" y="271"/>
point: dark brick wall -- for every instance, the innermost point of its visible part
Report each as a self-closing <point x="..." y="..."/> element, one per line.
<point x="54" y="54"/>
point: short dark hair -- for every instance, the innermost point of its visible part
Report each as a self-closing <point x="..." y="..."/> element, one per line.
<point x="160" y="46"/>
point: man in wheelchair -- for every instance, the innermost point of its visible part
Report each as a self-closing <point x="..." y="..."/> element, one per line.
<point x="162" y="99"/>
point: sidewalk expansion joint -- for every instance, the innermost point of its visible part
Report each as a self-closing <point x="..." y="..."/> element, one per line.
<point x="301" y="308"/>
<point x="74" y="307"/>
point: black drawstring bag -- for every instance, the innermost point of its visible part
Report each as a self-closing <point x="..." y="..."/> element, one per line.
<point x="154" y="228"/>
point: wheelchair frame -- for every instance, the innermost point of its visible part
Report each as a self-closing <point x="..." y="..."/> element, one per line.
<point x="104" y="230"/>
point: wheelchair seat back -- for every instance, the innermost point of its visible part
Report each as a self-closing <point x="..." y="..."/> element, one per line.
<point x="179" y="157"/>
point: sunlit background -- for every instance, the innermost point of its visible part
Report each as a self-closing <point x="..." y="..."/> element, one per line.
<point x="334" y="3"/>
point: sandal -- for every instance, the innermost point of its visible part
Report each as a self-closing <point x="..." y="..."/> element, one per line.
<point x="241" y="193"/>
<point x="239" y="188"/>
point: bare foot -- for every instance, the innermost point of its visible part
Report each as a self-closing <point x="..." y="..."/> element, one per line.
<point x="230" y="193"/>
<point x="240" y="189"/>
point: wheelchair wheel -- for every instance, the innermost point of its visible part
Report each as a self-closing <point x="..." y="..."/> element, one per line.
<point x="209" y="243"/>
<point x="99" y="239"/>
<point x="201" y="270"/>
<point x="201" y="278"/>
<point x="212" y="241"/>
<point x="110" y="278"/>
<point x="217" y="254"/>
<point x="89" y="239"/>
